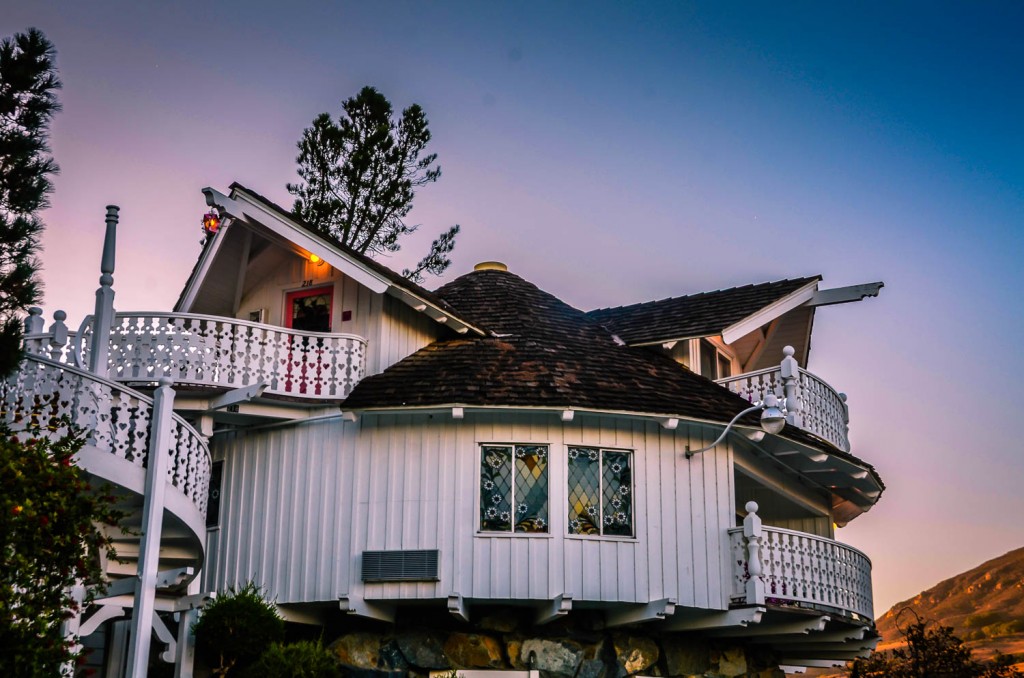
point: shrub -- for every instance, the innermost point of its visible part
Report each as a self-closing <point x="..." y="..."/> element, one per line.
<point x="235" y="629"/>
<point x="304" y="659"/>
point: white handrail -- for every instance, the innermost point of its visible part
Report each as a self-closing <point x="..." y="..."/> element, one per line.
<point x="206" y="350"/>
<point x="802" y="568"/>
<point x="822" y="410"/>
<point x="54" y="396"/>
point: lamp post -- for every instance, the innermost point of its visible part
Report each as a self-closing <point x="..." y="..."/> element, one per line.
<point x="772" y="421"/>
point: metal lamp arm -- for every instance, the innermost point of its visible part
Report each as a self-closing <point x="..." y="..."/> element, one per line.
<point x="728" y="427"/>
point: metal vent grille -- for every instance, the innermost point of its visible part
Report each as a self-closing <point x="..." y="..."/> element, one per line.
<point x="400" y="565"/>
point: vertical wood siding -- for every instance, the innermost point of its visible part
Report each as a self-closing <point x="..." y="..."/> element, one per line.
<point x="302" y="503"/>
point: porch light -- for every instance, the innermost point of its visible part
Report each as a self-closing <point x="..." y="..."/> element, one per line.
<point x="314" y="259"/>
<point x="211" y="222"/>
<point x="772" y="421"/>
<point x="772" y="418"/>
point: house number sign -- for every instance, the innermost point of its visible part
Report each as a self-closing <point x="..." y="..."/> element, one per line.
<point x="307" y="283"/>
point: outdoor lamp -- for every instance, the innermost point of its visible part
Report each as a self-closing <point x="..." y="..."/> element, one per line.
<point x="772" y="421"/>
<point x="772" y="418"/>
<point x="211" y="221"/>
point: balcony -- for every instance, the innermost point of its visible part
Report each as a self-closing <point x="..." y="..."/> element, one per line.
<point x="774" y="566"/>
<point x="56" y="397"/>
<point x="201" y="350"/>
<point x="820" y="409"/>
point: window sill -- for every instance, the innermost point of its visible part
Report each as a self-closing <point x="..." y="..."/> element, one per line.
<point x="515" y="535"/>
<point x="602" y="537"/>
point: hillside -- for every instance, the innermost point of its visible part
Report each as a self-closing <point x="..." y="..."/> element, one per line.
<point x="985" y="607"/>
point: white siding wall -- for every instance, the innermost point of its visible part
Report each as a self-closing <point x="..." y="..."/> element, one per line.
<point x="301" y="503"/>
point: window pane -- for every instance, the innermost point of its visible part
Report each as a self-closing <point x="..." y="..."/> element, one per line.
<point x="496" y="489"/>
<point x="724" y="367"/>
<point x="708" y="359"/>
<point x="584" y="491"/>
<point x="618" y="502"/>
<point x="531" y="488"/>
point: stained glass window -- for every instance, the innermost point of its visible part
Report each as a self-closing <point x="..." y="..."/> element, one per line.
<point x="514" y="488"/>
<point x="600" y="492"/>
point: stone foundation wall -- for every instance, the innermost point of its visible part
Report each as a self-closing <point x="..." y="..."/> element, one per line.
<point x="573" y="647"/>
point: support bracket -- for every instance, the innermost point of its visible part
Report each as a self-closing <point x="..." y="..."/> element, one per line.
<point x="356" y="605"/>
<point x="457" y="607"/>
<point x="652" y="611"/>
<point x="557" y="607"/>
<point x="742" y="617"/>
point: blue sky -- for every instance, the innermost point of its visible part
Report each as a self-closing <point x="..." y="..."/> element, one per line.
<point x="619" y="152"/>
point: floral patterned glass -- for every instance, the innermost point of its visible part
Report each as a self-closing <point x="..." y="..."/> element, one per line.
<point x="600" y="485"/>
<point x="514" y="488"/>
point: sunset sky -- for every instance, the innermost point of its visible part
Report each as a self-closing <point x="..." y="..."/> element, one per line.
<point x="621" y="152"/>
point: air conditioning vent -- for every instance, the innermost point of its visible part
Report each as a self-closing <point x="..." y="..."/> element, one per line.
<point x="400" y="566"/>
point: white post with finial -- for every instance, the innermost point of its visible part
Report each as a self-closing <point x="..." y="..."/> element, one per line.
<point x="157" y="462"/>
<point x="752" y="533"/>
<point x="790" y="378"/>
<point x="103" y="317"/>
<point x="58" y="335"/>
<point x="34" y="321"/>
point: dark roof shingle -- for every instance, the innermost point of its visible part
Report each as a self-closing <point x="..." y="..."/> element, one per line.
<point x="543" y="353"/>
<point x="695" y="315"/>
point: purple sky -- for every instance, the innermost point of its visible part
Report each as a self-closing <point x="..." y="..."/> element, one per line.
<point x="621" y="152"/>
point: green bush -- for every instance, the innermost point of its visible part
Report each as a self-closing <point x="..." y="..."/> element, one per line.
<point x="980" y="619"/>
<point x="235" y="629"/>
<point x="304" y="659"/>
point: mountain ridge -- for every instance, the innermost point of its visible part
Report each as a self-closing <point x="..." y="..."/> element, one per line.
<point x="984" y="605"/>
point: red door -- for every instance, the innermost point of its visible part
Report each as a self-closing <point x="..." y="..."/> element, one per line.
<point x="307" y="310"/>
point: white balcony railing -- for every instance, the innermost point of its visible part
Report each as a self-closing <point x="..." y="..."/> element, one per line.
<point x="795" y="567"/>
<point x="821" y="409"/>
<point x="51" y="396"/>
<point x="225" y="352"/>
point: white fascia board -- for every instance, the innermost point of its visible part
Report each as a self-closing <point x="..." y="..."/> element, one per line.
<point x="288" y="229"/>
<point x="769" y="313"/>
<point x="844" y="295"/>
<point x="195" y="283"/>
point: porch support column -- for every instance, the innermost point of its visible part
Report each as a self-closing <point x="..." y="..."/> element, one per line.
<point x="752" y="533"/>
<point x="103" y="316"/>
<point x="157" y="463"/>
<point x="790" y="373"/>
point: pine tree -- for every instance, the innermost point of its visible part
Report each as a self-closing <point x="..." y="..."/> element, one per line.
<point x="28" y="85"/>
<point x="360" y="176"/>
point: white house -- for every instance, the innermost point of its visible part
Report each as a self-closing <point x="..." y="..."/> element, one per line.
<point x="480" y="477"/>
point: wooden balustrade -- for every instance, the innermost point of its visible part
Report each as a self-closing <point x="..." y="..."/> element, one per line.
<point x="810" y="403"/>
<point x="225" y="352"/>
<point x="796" y="567"/>
<point x="50" y="398"/>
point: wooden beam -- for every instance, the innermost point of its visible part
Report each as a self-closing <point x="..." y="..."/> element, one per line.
<point x="802" y="626"/>
<point x="844" y="295"/>
<point x="104" y="613"/>
<point x="716" y="620"/>
<point x="559" y="606"/>
<point x="301" y="614"/>
<point x="652" y="611"/>
<point x="350" y="604"/>
<point x="840" y="636"/>
<point x="238" y="395"/>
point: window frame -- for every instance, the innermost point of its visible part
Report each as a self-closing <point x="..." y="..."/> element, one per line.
<point x="632" y="536"/>
<point x="512" y="531"/>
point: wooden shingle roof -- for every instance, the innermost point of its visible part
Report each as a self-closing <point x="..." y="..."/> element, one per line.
<point x="541" y="353"/>
<point x="695" y="315"/>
